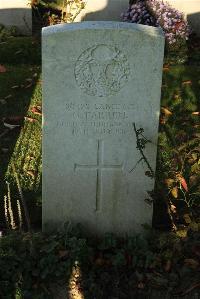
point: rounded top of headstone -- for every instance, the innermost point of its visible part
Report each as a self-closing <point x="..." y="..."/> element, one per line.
<point x="149" y="30"/>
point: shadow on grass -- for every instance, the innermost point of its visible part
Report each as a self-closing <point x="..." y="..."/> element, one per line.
<point x="21" y="58"/>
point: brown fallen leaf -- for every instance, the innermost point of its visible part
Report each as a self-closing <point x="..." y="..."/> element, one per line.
<point x="36" y="110"/>
<point x="32" y="173"/>
<point x="165" y="69"/>
<point x="30" y="119"/>
<point x="183" y="182"/>
<point x="2" y="69"/>
<point x="173" y="208"/>
<point x="166" y="111"/>
<point x="186" y="82"/>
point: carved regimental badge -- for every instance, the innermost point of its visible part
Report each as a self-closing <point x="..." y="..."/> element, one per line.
<point x="102" y="70"/>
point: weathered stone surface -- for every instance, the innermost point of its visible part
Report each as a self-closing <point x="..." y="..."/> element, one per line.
<point x="16" y="13"/>
<point x="99" y="79"/>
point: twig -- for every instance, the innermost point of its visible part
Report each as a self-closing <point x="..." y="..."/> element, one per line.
<point x="141" y="151"/>
<point x="26" y="213"/>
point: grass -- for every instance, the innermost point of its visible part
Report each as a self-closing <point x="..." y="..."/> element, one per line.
<point x="20" y="91"/>
<point x="111" y="267"/>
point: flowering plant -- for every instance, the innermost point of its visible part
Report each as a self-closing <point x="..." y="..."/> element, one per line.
<point x="171" y="20"/>
<point x="160" y="14"/>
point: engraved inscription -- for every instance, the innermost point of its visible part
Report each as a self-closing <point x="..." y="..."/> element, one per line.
<point x="95" y="119"/>
<point x="99" y="167"/>
<point x="102" y="70"/>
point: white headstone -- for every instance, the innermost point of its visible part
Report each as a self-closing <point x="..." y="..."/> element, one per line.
<point x="16" y="13"/>
<point x="99" y="79"/>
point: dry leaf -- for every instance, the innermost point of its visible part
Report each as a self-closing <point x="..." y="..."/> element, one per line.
<point x="36" y="110"/>
<point x="173" y="208"/>
<point x="2" y="69"/>
<point x="187" y="82"/>
<point x="30" y="119"/>
<point x="165" y="69"/>
<point x="174" y="192"/>
<point x="31" y="173"/>
<point x="166" y="111"/>
<point x="183" y="183"/>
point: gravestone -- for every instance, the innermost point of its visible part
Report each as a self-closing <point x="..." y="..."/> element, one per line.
<point x="99" y="78"/>
<point x="16" y="13"/>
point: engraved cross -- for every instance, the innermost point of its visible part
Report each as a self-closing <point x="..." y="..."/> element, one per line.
<point x="99" y="167"/>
